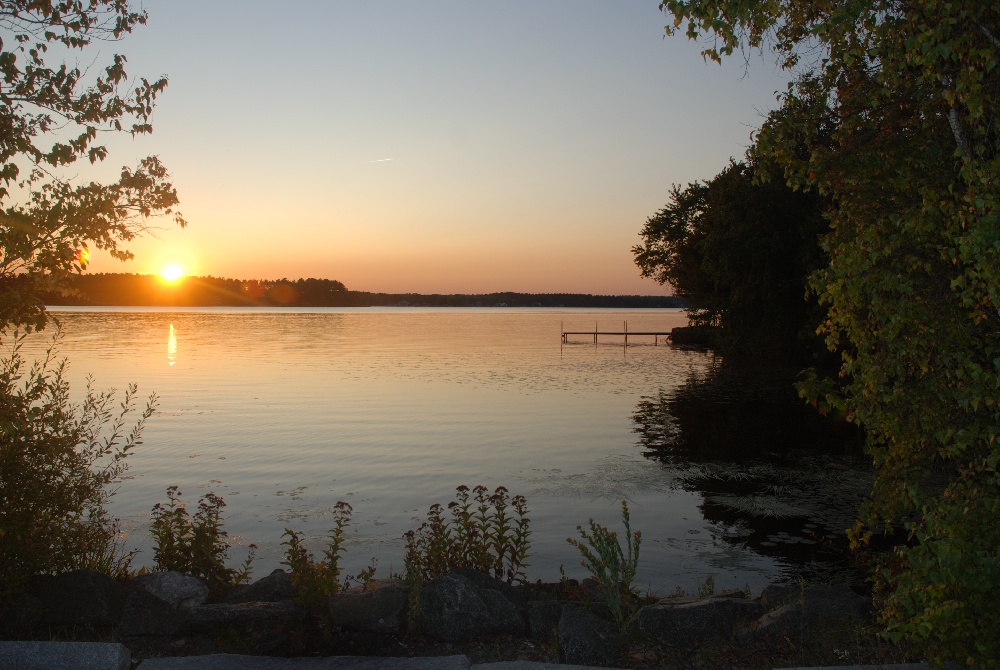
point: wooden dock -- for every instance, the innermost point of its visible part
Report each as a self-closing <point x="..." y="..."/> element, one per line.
<point x="624" y="332"/>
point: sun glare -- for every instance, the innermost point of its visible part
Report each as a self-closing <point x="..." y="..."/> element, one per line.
<point x="172" y="273"/>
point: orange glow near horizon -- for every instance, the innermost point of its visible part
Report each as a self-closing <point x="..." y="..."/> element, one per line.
<point x="172" y="273"/>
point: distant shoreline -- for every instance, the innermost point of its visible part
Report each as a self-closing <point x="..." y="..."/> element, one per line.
<point x="130" y="290"/>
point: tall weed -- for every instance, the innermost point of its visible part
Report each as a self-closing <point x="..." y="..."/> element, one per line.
<point x="314" y="581"/>
<point x="196" y="545"/>
<point x="613" y="566"/>
<point x="485" y="532"/>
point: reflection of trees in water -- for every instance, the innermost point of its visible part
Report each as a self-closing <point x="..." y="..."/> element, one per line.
<point x="773" y="473"/>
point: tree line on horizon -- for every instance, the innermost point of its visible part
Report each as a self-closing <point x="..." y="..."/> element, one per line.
<point x="126" y="289"/>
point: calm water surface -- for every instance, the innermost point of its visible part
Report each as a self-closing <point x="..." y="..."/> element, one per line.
<point x="285" y="412"/>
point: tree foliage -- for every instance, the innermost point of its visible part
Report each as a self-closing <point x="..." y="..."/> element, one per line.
<point x="897" y="125"/>
<point x="59" y="460"/>
<point x="51" y="118"/>
<point x="739" y="249"/>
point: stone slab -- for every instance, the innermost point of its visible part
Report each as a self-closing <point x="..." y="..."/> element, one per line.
<point x="887" y="666"/>
<point x="64" y="656"/>
<point x="533" y="665"/>
<point x="241" y="662"/>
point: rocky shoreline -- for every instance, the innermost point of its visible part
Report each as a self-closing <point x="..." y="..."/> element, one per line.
<point x="170" y="614"/>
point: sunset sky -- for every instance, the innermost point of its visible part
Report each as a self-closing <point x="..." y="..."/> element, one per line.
<point x="435" y="147"/>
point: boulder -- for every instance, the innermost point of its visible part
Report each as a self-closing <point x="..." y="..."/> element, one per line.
<point x="20" y="614"/>
<point x="81" y="597"/>
<point x="158" y="603"/>
<point x="585" y="638"/>
<point x="146" y="614"/>
<point x="380" y="608"/>
<point x="64" y="656"/>
<point x="260" y="628"/>
<point x="212" y="618"/>
<point x="830" y="606"/>
<point x="274" y="588"/>
<point x="543" y="618"/>
<point x="776" y="595"/>
<point x="175" y="589"/>
<point x="684" y="622"/>
<point x="457" y="606"/>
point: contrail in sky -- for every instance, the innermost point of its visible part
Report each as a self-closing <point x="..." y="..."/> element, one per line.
<point x="381" y="160"/>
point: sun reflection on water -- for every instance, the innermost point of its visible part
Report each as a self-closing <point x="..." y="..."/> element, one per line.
<point x="172" y="346"/>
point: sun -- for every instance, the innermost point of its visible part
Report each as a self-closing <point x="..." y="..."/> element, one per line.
<point x="172" y="273"/>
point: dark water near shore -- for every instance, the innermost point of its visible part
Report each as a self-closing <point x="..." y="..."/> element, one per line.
<point x="285" y="412"/>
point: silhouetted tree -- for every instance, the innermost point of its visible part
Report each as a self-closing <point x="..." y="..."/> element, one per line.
<point x="739" y="249"/>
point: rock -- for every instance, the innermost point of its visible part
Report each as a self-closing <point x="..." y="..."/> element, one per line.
<point x="237" y="662"/>
<point x="457" y="607"/>
<point x="259" y="628"/>
<point x="211" y="618"/>
<point x="697" y="336"/>
<point x="684" y="621"/>
<point x="18" y="616"/>
<point x="382" y="608"/>
<point x="158" y="603"/>
<point x="585" y="638"/>
<point x="175" y="589"/>
<point x="543" y="618"/>
<point x="64" y="656"/>
<point x="81" y="597"/>
<point x="274" y="588"/>
<point x="775" y="595"/>
<point x="146" y="614"/>
<point x="830" y="606"/>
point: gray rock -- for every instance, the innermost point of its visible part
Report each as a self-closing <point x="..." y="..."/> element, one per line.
<point x="775" y="595"/>
<point x="453" y="608"/>
<point x="173" y="588"/>
<point x="535" y="665"/>
<point x="64" y="656"/>
<point x="236" y="662"/>
<point x="81" y="597"/>
<point x="276" y="587"/>
<point x="146" y="614"/>
<point x="210" y="618"/>
<point x="543" y="618"/>
<point x="830" y="606"/>
<point x="585" y="638"/>
<point x="23" y="612"/>
<point x="684" y="621"/>
<point x="261" y="628"/>
<point x="382" y="608"/>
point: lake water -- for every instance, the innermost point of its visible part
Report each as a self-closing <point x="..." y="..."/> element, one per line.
<point x="285" y="412"/>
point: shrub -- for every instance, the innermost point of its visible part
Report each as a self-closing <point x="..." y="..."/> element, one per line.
<point x="613" y="567"/>
<point x="489" y="533"/>
<point x="59" y="462"/>
<point x="197" y="545"/>
<point x="942" y="590"/>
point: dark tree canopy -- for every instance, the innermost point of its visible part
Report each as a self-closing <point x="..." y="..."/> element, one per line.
<point x="909" y="98"/>
<point x="739" y="249"/>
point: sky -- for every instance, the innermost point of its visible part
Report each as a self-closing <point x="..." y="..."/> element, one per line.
<point x="432" y="147"/>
